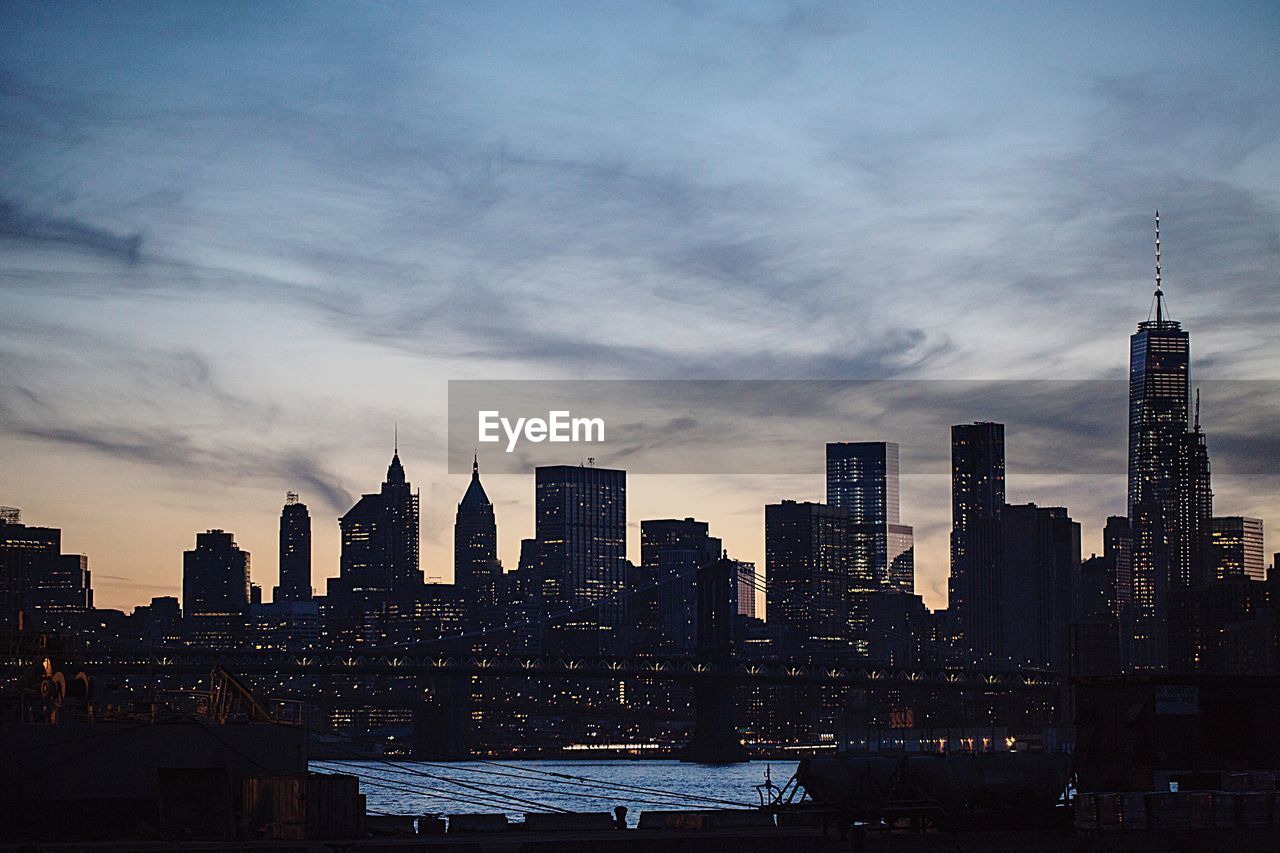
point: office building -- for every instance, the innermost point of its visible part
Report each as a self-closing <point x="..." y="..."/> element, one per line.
<point x="1159" y="393"/>
<point x="1235" y="545"/>
<point x="977" y="492"/>
<point x="581" y="529"/>
<point x="380" y="542"/>
<point x="862" y="479"/>
<point x="215" y="590"/>
<point x="1023" y="564"/>
<point x="809" y="563"/>
<point x="295" y="552"/>
<point x="37" y="580"/>
<point x="664" y="605"/>
<point x="476" y="569"/>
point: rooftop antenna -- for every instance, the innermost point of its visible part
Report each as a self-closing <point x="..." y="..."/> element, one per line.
<point x="395" y="441"/>
<point x="1197" y="426"/>
<point x="1159" y="292"/>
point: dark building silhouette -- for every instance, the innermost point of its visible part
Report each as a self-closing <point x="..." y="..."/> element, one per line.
<point x="215" y="590"/>
<point x="1023" y="565"/>
<point x="1159" y="394"/>
<point x="1094" y="638"/>
<point x="160" y="621"/>
<point x="664" y="615"/>
<point x="1117" y="546"/>
<point x="581" y="530"/>
<point x="580" y="525"/>
<point x="862" y="478"/>
<point x="36" y="579"/>
<point x="380" y="542"/>
<point x="476" y="569"/>
<point x="285" y="625"/>
<point x="898" y="629"/>
<point x="977" y="492"/>
<point x="1193" y="566"/>
<point x="1233" y="628"/>
<point x="295" y="552"/>
<point x="809" y="560"/>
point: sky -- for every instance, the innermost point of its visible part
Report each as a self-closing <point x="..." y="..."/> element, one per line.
<point x="240" y="242"/>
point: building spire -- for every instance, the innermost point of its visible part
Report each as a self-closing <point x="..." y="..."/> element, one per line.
<point x="395" y="441"/>
<point x="1159" y="292"/>
<point x="1197" y="423"/>
<point x="475" y="495"/>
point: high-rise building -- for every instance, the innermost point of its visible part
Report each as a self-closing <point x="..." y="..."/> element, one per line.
<point x="747" y="584"/>
<point x="1023" y="564"/>
<point x="1159" y="395"/>
<point x="215" y="589"/>
<point x="1236" y="547"/>
<point x="476" y="569"/>
<point x="581" y="528"/>
<point x="977" y="492"/>
<point x="380" y="541"/>
<point x="862" y="478"/>
<point x="1117" y="546"/>
<point x="1192" y="568"/>
<point x="665" y="606"/>
<point x="36" y="579"/>
<point x="295" y="552"/>
<point x="808" y="560"/>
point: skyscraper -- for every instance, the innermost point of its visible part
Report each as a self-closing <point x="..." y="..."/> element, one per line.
<point x="1117" y="549"/>
<point x="977" y="492"/>
<point x="380" y="541"/>
<point x="665" y="604"/>
<point x="215" y="589"/>
<point x="1022" y="565"/>
<point x="36" y="578"/>
<point x="295" y="552"/>
<point x="808" y="560"/>
<point x="476" y="569"/>
<point x="1192" y="563"/>
<point x="1159" y="386"/>
<point x="581" y="527"/>
<point x="862" y="479"/>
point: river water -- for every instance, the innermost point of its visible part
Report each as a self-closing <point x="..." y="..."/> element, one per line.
<point x="516" y="787"/>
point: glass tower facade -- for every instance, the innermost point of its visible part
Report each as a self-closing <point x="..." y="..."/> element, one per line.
<point x="581" y="528"/>
<point x="862" y="480"/>
<point x="1159" y="392"/>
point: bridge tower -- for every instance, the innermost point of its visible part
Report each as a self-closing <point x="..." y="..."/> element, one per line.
<point x="715" y="732"/>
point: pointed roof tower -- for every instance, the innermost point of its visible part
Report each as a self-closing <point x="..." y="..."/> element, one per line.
<point x="395" y="471"/>
<point x="475" y="495"/>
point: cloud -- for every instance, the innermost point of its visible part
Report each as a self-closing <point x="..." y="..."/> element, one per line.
<point x="163" y="409"/>
<point x="19" y="225"/>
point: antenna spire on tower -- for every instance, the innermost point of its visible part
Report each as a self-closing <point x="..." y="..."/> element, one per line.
<point x="1197" y="426"/>
<point x="1159" y="292"/>
<point x="395" y="441"/>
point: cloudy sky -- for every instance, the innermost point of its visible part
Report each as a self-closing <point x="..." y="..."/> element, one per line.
<point x="239" y="241"/>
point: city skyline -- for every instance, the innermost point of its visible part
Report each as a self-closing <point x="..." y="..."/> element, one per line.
<point x="287" y="257"/>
